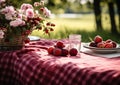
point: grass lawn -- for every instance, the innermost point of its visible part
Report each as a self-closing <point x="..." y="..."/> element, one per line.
<point x="84" y="25"/>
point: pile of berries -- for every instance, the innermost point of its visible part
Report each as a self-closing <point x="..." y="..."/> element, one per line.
<point x="59" y="50"/>
<point x="98" y="42"/>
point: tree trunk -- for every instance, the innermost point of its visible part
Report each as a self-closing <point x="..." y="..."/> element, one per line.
<point x="97" y="12"/>
<point x="112" y="17"/>
<point x="118" y="10"/>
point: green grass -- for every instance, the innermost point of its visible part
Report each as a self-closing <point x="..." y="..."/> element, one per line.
<point x="84" y="25"/>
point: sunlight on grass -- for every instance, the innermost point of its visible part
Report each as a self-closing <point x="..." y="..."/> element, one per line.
<point x="84" y="25"/>
<point x="81" y="23"/>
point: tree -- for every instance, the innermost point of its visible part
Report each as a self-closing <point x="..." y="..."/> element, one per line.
<point x="118" y="10"/>
<point x="97" y="12"/>
<point x="112" y="17"/>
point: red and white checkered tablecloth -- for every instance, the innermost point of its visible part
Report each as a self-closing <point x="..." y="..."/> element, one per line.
<point x="34" y="66"/>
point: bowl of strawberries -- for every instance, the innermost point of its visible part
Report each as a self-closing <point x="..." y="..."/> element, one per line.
<point x="99" y="45"/>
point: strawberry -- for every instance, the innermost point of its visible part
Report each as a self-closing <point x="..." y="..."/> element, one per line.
<point x="57" y="52"/>
<point x="108" y="45"/>
<point x="101" y="45"/>
<point x="60" y="44"/>
<point x="108" y="41"/>
<point x="114" y="44"/>
<point x="73" y="51"/>
<point x="98" y="39"/>
<point x="64" y="52"/>
<point x="50" y="50"/>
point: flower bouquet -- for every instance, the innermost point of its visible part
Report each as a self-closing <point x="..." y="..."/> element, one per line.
<point x="17" y="23"/>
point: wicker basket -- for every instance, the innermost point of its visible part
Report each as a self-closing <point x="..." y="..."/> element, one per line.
<point x="13" y="43"/>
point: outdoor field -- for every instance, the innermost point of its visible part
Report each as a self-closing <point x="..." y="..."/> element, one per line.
<point x="83" y="24"/>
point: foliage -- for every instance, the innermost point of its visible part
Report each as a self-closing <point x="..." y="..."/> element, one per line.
<point x="22" y="21"/>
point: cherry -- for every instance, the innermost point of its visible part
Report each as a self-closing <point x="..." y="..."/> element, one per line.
<point x="60" y="44"/>
<point x="114" y="44"/>
<point x="73" y="51"/>
<point x="50" y="50"/>
<point x="64" y="52"/>
<point x="93" y="44"/>
<point x="57" y="52"/>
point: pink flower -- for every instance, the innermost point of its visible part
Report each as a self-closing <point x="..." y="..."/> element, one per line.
<point x="25" y="17"/>
<point x="17" y="22"/>
<point x="19" y="16"/>
<point x="1" y="1"/>
<point x="24" y="7"/>
<point x="36" y="4"/>
<point x="8" y="17"/>
<point x="8" y="10"/>
<point x="46" y="12"/>
<point x="1" y="34"/>
<point x="30" y="13"/>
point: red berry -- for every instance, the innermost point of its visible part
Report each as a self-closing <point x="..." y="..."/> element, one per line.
<point x="60" y="44"/>
<point x="64" y="52"/>
<point x="40" y="28"/>
<point x="73" y="51"/>
<point x="38" y="18"/>
<point x="108" y="41"/>
<point x="46" y="31"/>
<point x="108" y="45"/>
<point x="93" y="44"/>
<point x="48" y="23"/>
<point x="57" y="52"/>
<point x="101" y="45"/>
<point x="98" y="39"/>
<point x="50" y="50"/>
<point x="27" y="32"/>
<point x="51" y="29"/>
<point x="52" y="24"/>
<point x="114" y="44"/>
<point x="27" y="40"/>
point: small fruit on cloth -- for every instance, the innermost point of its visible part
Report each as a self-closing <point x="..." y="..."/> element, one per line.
<point x="98" y="39"/>
<point x="57" y="52"/>
<point x="64" y="52"/>
<point x="73" y="52"/>
<point x="50" y="50"/>
<point x="60" y="44"/>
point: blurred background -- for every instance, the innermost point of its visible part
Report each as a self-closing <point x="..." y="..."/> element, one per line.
<point x="86" y="17"/>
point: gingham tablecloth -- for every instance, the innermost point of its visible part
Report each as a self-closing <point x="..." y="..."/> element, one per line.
<point x="34" y="66"/>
